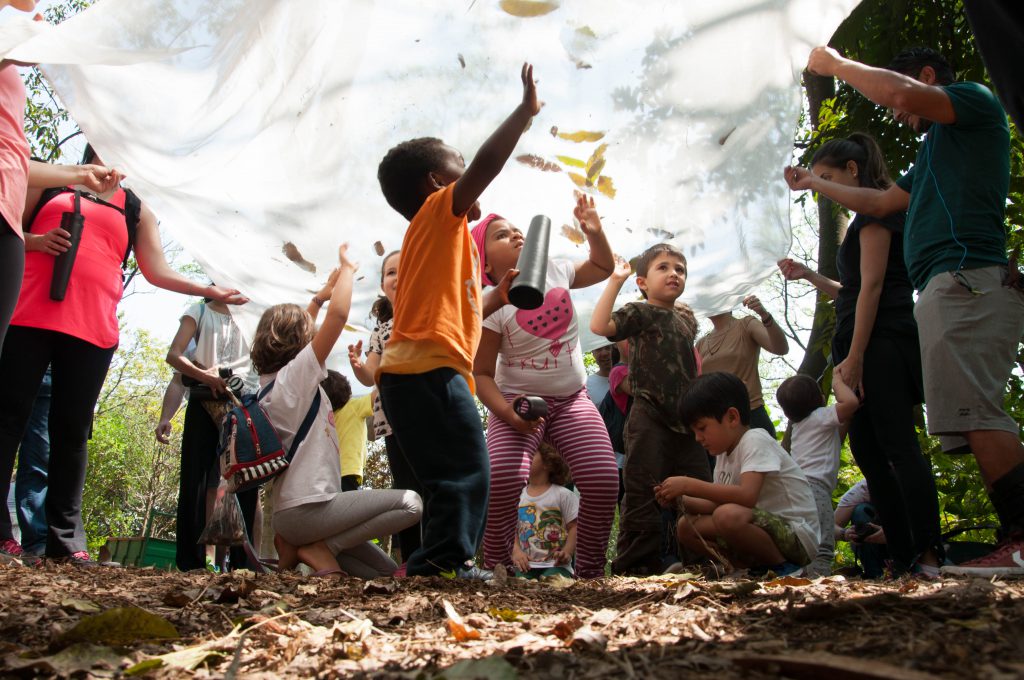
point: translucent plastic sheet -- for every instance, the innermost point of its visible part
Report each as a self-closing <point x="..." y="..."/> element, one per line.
<point x="250" y="125"/>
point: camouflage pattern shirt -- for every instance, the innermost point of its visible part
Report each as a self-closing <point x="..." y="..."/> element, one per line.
<point x="662" y="363"/>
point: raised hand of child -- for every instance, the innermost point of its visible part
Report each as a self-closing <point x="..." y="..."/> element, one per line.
<point x="344" y="261"/>
<point x="530" y="102"/>
<point x="586" y="213"/>
<point x="355" y="355"/>
<point x="622" y="270"/>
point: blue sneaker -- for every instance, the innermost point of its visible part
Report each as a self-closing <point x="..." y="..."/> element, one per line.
<point x="469" y="572"/>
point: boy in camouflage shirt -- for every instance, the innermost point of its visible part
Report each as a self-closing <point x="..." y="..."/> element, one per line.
<point x="662" y="366"/>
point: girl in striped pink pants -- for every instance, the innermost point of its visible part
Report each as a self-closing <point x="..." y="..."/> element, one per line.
<point x="537" y="352"/>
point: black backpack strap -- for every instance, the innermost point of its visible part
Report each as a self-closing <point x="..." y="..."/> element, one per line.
<point x="307" y="422"/>
<point x="306" y="425"/>
<point x="132" y="215"/>
<point x="44" y="198"/>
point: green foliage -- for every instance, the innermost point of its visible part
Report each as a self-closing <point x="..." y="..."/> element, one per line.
<point x="874" y="33"/>
<point x="130" y="473"/>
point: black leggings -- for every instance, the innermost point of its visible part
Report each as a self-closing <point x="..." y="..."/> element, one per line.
<point x="12" y="268"/>
<point x="78" y="370"/>
<point x="199" y="441"/>
<point x="883" y="440"/>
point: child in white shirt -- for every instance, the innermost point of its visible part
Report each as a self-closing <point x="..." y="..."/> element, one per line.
<point x="546" y="527"/>
<point x="816" y="440"/>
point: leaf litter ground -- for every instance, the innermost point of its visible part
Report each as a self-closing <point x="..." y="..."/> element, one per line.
<point x="62" y="621"/>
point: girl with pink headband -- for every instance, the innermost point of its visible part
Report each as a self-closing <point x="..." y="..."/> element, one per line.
<point x="537" y="353"/>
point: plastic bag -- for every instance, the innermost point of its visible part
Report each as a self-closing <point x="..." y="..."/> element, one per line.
<point x="225" y="526"/>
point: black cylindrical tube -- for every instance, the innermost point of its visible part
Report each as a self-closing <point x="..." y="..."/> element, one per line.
<point x="530" y="408"/>
<point x="73" y="223"/>
<point x="527" y="290"/>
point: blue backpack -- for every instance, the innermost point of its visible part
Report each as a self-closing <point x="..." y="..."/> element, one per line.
<point x="251" y="451"/>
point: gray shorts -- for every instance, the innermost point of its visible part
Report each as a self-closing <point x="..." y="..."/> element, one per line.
<point x="969" y="344"/>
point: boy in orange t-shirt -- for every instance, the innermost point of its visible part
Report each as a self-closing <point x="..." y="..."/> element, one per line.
<point x="426" y="375"/>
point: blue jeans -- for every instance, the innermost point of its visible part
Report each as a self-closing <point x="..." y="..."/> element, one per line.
<point x="30" y="480"/>
<point x="440" y="433"/>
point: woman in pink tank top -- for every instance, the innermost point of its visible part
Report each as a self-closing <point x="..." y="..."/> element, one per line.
<point x="76" y="337"/>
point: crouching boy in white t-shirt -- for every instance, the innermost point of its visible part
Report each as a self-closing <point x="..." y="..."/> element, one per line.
<point x="759" y="512"/>
<point x="815" y="443"/>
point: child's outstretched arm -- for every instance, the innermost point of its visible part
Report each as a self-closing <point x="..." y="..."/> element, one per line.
<point x="847" y="402"/>
<point x="601" y="321"/>
<point x="337" y="312"/>
<point x="491" y="157"/>
<point x="602" y="261"/>
<point x="323" y="295"/>
<point x="745" y="493"/>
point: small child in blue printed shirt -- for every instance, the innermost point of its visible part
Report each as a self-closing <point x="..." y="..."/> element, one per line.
<point x="546" y="531"/>
<point x="815" y="443"/>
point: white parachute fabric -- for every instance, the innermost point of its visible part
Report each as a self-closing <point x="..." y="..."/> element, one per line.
<point x="253" y="129"/>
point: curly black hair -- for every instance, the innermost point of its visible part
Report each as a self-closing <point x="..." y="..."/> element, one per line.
<point x="404" y="167"/>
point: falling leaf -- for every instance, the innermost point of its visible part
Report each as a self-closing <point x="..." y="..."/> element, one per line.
<point x="594" y="170"/>
<point x="120" y="625"/>
<point x="722" y="140"/>
<point x="378" y="248"/>
<point x="582" y="65"/>
<point x="586" y="32"/>
<point x="84" y="606"/>
<point x="595" y="157"/>
<point x="605" y="186"/>
<point x="293" y="254"/>
<point x="462" y="61"/>
<point x="459" y="630"/>
<point x="578" y="137"/>
<point x="538" y="162"/>
<point x="574" y="162"/>
<point x="528" y="8"/>
<point x="574" y="235"/>
<point x="578" y="179"/>
<point x="660" y="233"/>
<point x="505" y="614"/>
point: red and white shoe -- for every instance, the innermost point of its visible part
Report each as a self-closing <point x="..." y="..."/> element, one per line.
<point x="11" y="547"/>
<point x="1006" y="560"/>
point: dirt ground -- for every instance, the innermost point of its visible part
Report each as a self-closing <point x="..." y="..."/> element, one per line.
<point x="62" y="621"/>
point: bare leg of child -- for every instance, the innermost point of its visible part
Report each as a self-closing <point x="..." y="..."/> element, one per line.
<point x="735" y="524"/>
<point x="320" y="559"/>
<point x="287" y="554"/>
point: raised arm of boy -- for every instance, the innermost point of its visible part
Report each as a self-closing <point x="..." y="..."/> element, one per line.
<point x="601" y="321"/>
<point x="601" y="262"/>
<point x="337" y="312"/>
<point x="491" y="157"/>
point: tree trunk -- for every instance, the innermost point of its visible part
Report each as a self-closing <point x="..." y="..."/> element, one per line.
<point x="832" y="221"/>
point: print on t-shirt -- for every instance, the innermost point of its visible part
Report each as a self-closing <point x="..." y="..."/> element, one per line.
<point x="541" y="531"/>
<point x="549" y="321"/>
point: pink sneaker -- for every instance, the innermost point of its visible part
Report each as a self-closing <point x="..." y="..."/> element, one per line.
<point x="400" y="572"/>
<point x="1006" y="560"/>
<point x="11" y="547"/>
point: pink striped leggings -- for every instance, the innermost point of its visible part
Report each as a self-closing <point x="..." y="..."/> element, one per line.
<point x="576" y="430"/>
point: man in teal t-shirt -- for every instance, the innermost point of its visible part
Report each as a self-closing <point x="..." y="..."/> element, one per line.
<point x="970" y="317"/>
